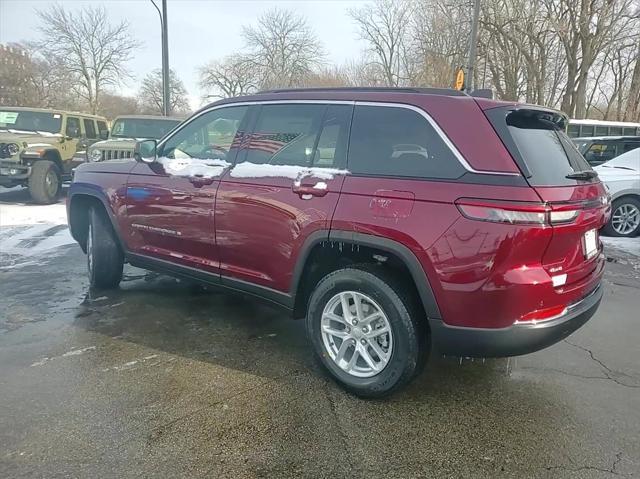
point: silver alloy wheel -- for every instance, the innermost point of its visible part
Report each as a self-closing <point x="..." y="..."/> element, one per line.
<point x="51" y="182"/>
<point x="625" y="218"/>
<point x="356" y="334"/>
<point x="90" y="250"/>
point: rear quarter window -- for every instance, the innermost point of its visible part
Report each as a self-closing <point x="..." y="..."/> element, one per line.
<point x="398" y="142"/>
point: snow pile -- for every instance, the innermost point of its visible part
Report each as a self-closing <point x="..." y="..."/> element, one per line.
<point x="26" y="214"/>
<point x="253" y="170"/>
<point x="29" y="233"/>
<point x="190" y="167"/>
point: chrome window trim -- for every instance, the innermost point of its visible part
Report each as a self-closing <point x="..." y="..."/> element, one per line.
<point x="465" y="164"/>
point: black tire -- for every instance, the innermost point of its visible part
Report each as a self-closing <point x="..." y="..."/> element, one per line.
<point x="105" y="260"/>
<point x="411" y="342"/>
<point x="45" y="182"/>
<point x="609" y="229"/>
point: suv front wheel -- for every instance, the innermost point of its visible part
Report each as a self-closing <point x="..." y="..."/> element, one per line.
<point x="105" y="260"/>
<point x="365" y="330"/>
<point x="44" y="182"/>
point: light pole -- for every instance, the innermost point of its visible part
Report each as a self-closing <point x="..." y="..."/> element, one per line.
<point x="473" y="43"/>
<point x="166" y="100"/>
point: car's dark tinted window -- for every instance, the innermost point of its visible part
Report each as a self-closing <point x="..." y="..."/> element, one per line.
<point x="89" y="128"/>
<point x="285" y="134"/>
<point x="631" y="146"/>
<point x="392" y="141"/>
<point x="545" y="148"/>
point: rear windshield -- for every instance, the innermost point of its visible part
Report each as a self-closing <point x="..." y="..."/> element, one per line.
<point x="544" y="148"/>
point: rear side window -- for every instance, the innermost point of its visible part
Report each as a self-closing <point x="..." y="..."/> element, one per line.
<point x="393" y="141"/>
<point x="544" y="147"/>
<point x="89" y="128"/>
<point x="285" y="134"/>
<point x="300" y="135"/>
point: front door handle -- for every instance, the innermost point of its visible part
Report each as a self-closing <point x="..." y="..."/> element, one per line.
<point x="200" y="181"/>
<point x="306" y="191"/>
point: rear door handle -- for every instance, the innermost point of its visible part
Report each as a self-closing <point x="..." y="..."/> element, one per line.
<point x="320" y="188"/>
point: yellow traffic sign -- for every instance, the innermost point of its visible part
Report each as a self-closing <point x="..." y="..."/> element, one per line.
<point x="460" y="79"/>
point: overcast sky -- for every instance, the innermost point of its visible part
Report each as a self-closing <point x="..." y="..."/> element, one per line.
<point x="199" y="30"/>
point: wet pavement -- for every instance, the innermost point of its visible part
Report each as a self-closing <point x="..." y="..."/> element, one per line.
<point x="161" y="379"/>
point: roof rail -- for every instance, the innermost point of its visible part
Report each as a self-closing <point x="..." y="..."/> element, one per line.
<point x="428" y="91"/>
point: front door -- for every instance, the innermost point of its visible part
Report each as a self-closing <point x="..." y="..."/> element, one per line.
<point x="170" y="202"/>
<point x="284" y="186"/>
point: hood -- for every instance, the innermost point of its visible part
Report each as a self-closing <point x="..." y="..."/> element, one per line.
<point x="116" y="144"/>
<point x="27" y="138"/>
<point x="612" y="173"/>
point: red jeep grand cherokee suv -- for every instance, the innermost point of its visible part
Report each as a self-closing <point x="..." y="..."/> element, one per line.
<point x="391" y="219"/>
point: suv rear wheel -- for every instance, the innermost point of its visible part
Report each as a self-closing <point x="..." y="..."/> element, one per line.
<point x="105" y="260"/>
<point x="625" y="217"/>
<point x="365" y="330"/>
<point x="44" y="182"/>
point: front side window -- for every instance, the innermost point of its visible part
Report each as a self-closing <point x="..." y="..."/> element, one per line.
<point x="30" y="121"/>
<point x="73" y="127"/>
<point x="210" y="136"/>
<point x="392" y="141"/>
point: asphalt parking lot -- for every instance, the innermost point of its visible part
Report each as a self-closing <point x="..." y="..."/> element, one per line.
<point x="161" y="379"/>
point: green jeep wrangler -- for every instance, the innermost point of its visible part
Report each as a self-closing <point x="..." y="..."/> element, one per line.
<point x="126" y="130"/>
<point x="39" y="148"/>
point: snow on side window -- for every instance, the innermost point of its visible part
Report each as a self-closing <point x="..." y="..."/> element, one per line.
<point x="253" y="170"/>
<point x="193" y="167"/>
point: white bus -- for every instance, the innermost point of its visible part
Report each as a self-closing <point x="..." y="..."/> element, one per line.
<point x="587" y="128"/>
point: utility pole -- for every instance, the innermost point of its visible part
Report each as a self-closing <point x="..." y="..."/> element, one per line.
<point x="473" y="44"/>
<point x="166" y="100"/>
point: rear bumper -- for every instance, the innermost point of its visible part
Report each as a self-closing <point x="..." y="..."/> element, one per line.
<point x="514" y="340"/>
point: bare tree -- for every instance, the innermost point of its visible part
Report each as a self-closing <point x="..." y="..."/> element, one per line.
<point x="384" y="26"/>
<point x="150" y="95"/>
<point x="88" y="47"/>
<point x="28" y="79"/>
<point x="230" y="77"/>
<point x="283" y="49"/>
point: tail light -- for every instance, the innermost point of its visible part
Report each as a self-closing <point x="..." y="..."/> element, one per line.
<point x="516" y="212"/>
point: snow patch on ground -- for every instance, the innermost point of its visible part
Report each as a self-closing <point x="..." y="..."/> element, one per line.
<point x="29" y="232"/>
<point x="253" y="170"/>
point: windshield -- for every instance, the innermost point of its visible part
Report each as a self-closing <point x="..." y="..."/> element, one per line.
<point x="545" y="148"/>
<point x="30" y="121"/>
<point x="142" y="128"/>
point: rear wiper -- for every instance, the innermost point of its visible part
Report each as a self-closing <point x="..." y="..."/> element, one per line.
<point x="582" y="175"/>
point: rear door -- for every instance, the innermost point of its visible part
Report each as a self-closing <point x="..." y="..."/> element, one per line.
<point x="565" y="181"/>
<point x="284" y="187"/>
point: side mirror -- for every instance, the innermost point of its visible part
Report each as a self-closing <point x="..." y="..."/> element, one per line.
<point x="104" y="134"/>
<point x="145" y="151"/>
